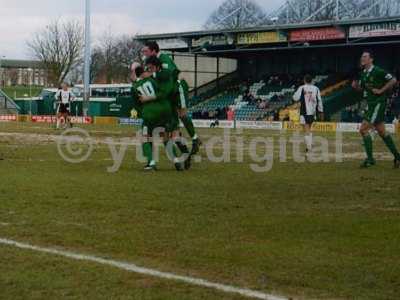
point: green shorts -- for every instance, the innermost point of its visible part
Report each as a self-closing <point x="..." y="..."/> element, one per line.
<point x="174" y="121"/>
<point x="375" y="113"/>
<point x="156" y="115"/>
<point x="182" y="95"/>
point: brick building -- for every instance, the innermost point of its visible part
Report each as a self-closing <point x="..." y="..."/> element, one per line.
<point x="22" y="72"/>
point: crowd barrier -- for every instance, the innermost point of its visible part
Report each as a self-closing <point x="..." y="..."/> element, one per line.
<point x="289" y="126"/>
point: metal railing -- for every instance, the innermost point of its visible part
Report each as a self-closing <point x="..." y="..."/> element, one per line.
<point x="214" y="87"/>
<point x="7" y="104"/>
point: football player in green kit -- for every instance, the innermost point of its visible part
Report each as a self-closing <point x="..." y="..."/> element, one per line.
<point x="181" y="93"/>
<point x="375" y="83"/>
<point x="153" y="106"/>
<point x="167" y="84"/>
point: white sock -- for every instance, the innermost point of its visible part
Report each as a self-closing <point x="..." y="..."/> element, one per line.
<point x="195" y="137"/>
<point x="309" y="141"/>
<point x="152" y="163"/>
<point x="58" y="123"/>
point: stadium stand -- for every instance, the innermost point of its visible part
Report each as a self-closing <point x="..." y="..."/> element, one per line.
<point x="260" y="100"/>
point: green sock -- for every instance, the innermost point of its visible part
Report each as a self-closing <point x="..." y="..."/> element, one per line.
<point x="175" y="153"/>
<point x="391" y="145"/>
<point x="148" y="151"/>
<point x="188" y="123"/>
<point x="368" y="147"/>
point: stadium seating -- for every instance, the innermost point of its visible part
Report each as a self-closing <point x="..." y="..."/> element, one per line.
<point x="352" y="110"/>
<point x="261" y="100"/>
<point x="209" y="109"/>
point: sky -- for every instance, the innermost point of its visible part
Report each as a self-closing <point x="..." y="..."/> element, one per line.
<point x="20" y="19"/>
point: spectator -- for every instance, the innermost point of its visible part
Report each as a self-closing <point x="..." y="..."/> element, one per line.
<point x="231" y="114"/>
<point x="214" y="124"/>
<point x="262" y="105"/>
<point x="276" y="116"/>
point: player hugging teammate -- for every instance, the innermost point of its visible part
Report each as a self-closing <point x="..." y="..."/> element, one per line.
<point x="181" y="93"/>
<point x="155" y="99"/>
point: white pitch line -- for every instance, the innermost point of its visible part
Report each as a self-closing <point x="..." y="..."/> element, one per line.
<point x="146" y="271"/>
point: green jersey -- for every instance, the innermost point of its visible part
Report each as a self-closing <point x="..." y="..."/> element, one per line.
<point x="169" y="90"/>
<point x="137" y="105"/>
<point x="148" y="87"/>
<point x="156" y="113"/>
<point x="169" y="64"/>
<point x="374" y="78"/>
<point x="167" y="84"/>
<point x="181" y="93"/>
<point x="143" y="87"/>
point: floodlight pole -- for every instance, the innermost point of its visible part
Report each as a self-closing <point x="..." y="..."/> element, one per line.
<point x="86" y="76"/>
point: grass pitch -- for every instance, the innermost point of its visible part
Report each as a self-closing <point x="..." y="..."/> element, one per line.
<point x="320" y="231"/>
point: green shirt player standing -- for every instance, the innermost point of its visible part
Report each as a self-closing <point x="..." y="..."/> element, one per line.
<point x="374" y="84"/>
<point x="181" y="94"/>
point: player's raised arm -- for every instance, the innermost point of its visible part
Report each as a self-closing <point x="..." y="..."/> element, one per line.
<point x="57" y="95"/>
<point x="134" y="67"/>
<point x="391" y="82"/>
<point x="297" y="95"/>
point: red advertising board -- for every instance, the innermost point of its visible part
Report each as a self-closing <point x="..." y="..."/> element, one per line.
<point x="81" y="120"/>
<point x="44" y="119"/>
<point x="8" y="118"/>
<point x="53" y="119"/>
<point x="316" y="34"/>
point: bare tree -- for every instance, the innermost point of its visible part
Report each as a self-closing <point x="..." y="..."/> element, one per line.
<point x="234" y="14"/>
<point x="127" y="51"/>
<point x="59" y="47"/>
<point x="96" y="64"/>
<point x="107" y="47"/>
<point x="112" y="57"/>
